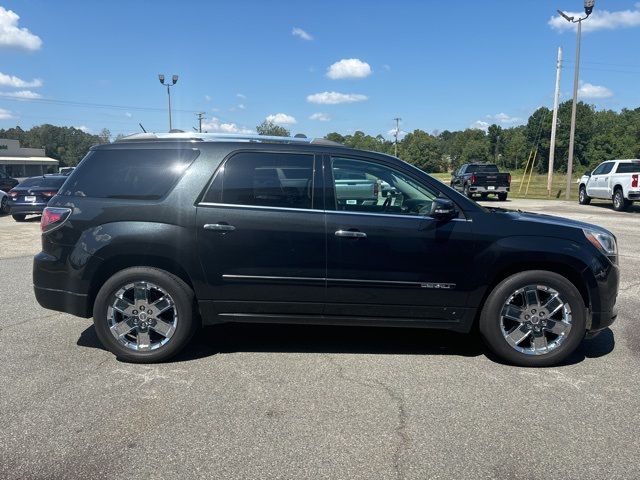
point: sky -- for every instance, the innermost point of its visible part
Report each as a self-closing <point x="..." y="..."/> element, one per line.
<point x="311" y="66"/>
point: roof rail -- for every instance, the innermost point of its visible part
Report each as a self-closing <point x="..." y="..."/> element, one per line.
<point x="224" y="137"/>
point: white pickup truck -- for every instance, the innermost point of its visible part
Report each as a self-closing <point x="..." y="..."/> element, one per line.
<point x="617" y="180"/>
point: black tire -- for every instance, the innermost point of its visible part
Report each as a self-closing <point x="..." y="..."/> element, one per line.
<point x="484" y="196"/>
<point x="467" y="192"/>
<point x="19" y="218"/>
<point x="184" y="302"/>
<point x="502" y="197"/>
<point x="620" y="204"/>
<point x="583" y="198"/>
<point x="490" y="318"/>
<point x="3" y="205"/>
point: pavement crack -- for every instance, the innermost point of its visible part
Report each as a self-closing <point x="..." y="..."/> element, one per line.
<point x="403" y="439"/>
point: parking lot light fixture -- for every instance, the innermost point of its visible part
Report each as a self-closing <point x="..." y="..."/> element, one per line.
<point x="588" y="9"/>
<point x="174" y="80"/>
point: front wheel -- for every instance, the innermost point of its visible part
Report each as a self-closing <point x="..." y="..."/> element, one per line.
<point x="620" y="204"/>
<point x="3" y="205"/>
<point x="534" y="318"/>
<point x="583" y="198"/>
<point x="144" y="315"/>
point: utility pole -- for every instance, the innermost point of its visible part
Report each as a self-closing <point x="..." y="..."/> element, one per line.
<point x="200" y="117"/>
<point x="397" y="119"/>
<point x="554" y="124"/>
<point x="588" y="9"/>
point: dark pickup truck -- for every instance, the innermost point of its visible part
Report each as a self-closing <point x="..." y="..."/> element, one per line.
<point x="482" y="178"/>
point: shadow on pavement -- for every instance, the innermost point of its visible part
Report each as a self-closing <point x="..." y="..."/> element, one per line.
<point x="229" y="338"/>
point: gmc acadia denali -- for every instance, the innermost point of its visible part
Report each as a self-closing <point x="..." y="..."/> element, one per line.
<point x="157" y="234"/>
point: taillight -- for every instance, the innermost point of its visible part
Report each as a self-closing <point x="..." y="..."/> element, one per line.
<point x="53" y="217"/>
<point x="48" y="194"/>
<point x="509" y="178"/>
<point x="13" y="194"/>
<point x="473" y="178"/>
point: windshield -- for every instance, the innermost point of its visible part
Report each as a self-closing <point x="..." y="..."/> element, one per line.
<point x="44" y="182"/>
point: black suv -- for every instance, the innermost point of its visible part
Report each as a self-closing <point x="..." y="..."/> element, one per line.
<point x="155" y="235"/>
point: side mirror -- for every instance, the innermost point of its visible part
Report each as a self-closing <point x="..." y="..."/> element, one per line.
<point x="443" y="209"/>
<point x="588" y="173"/>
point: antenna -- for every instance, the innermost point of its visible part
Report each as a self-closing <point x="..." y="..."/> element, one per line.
<point x="142" y="127"/>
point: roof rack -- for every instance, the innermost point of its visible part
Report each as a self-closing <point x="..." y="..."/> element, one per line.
<point x="225" y="137"/>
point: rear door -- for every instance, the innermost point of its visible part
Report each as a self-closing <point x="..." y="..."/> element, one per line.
<point x="389" y="259"/>
<point x="261" y="235"/>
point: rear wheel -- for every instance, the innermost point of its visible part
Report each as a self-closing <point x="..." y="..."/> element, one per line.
<point x="620" y="204"/>
<point x="144" y="315"/>
<point x="467" y="191"/>
<point x="502" y="196"/>
<point x="19" y="218"/>
<point x="534" y="318"/>
<point x="3" y="205"/>
<point x="583" y="198"/>
<point x="484" y="196"/>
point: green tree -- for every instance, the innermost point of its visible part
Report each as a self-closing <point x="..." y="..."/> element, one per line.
<point x="271" y="129"/>
<point x="424" y="151"/>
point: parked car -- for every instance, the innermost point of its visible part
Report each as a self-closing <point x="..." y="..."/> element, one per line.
<point x="66" y="170"/>
<point x="616" y="180"/>
<point x="7" y="182"/>
<point x="155" y="235"/>
<point x="32" y="195"/>
<point x="3" y="202"/>
<point x="482" y="178"/>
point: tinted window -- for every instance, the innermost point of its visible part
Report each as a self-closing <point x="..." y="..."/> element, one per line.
<point x="264" y="179"/>
<point x="630" y="167"/>
<point x="45" y="182"/>
<point x="603" y="168"/>
<point x="482" y="169"/>
<point x="136" y="174"/>
<point x="363" y="186"/>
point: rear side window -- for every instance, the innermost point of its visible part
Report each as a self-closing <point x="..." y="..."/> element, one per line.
<point x="630" y="167"/>
<point x="141" y="174"/>
<point x="264" y="179"/>
<point x="482" y="169"/>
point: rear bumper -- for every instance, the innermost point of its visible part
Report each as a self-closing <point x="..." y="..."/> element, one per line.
<point x="26" y="208"/>
<point x="63" y="301"/>
<point x="484" y="189"/>
<point x="633" y="195"/>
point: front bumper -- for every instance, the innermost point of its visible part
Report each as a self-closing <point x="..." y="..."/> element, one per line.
<point x="603" y="295"/>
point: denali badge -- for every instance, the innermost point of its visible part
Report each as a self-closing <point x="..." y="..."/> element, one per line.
<point x="446" y="286"/>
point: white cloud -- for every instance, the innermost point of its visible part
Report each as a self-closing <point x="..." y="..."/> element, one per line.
<point x="401" y="133"/>
<point x="588" y="90"/>
<point x="5" y="114"/>
<point x="281" y="119"/>
<point x="242" y="106"/>
<point x="321" y="117"/>
<point x="298" y="32"/>
<point x="216" y="126"/>
<point x="128" y="114"/>
<point x="333" y="98"/>
<point x="22" y="94"/>
<point x="84" y="128"/>
<point x="480" y="125"/>
<point x="349" y="68"/>
<point x="15" y="82"/>
<point x="599" y="20"/>
<point x="241" y="95"/>
<point x="504" y="118"/>
<point x="12" y="36"/>
<point x="207" y="98"/>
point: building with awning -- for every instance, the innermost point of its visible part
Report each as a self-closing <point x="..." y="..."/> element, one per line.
<point x="21" y="162"/>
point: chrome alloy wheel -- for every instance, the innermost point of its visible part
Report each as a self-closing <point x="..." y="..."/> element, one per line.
<point x="142" y="316"/>
<point x="535" y="320"/>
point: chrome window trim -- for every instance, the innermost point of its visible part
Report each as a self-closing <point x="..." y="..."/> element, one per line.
<point x="311" y="210"/>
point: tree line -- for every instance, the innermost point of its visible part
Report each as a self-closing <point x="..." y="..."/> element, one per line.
<point x="600" y="135"/>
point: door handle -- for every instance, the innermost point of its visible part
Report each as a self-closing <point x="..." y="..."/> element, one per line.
<point x="221" y="227"/>
<point x="350" y="234"/>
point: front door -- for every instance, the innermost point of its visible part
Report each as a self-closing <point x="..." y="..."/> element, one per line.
<point x="261" y="236"/>
<point x="386" y="257"/>
<point x="598" y="184"/>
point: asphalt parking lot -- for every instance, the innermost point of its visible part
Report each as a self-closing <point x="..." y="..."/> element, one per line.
<point x="314" y="402"/>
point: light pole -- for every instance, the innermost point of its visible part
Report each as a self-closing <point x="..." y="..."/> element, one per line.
<point x="174" y="80"/>
<point x="588" y="8"/>
<point x="396" y="133"/>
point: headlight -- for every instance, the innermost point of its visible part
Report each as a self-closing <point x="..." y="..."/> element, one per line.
<point x="604" y="242"/>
